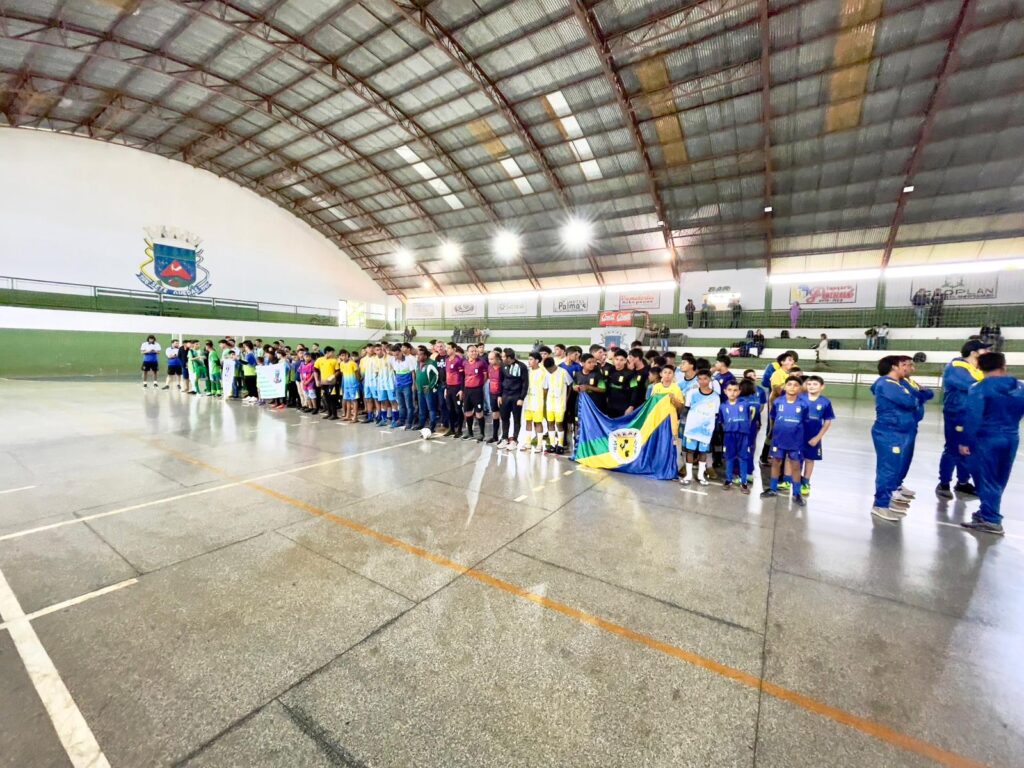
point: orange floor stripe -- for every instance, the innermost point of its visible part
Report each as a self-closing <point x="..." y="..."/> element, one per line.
<point x="868" y="727"/>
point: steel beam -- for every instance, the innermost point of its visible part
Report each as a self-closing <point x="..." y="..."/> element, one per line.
<point x="924" y="136"/>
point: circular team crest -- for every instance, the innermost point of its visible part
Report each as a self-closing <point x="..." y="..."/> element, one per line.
<point x="624" y="445"/>
<point x="174" y="263"/>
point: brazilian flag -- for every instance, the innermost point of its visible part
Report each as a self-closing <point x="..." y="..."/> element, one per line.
<point x="640" y="443"/>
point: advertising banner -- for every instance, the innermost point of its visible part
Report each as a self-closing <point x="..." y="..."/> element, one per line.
<point x="524" y="307"/>
<point x="829" y="293"/>
<point x="466" y="308"/>
<point x="615" y="317"/>
<point x="270" y="380"/>
<point x="569" y="304"/>
<point x="969" y="289"/>
<point x="422" y="309"/>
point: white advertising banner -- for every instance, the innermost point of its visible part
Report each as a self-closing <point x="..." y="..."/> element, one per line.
<point x="959" y="289"/>
<point x="270" y="380"/>
<point x="835" y="294"/>
<point x="422" y="309"/>
<point x="657" y="301"/>
<point x="453" y="310"/>
<point x="227" y="373"/>
<point x="522" y="307"/>
<point x="721" y="286"/>
<point x="571" y="304"/>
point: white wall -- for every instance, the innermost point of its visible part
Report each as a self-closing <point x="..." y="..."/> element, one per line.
<point x="73" y="210"/>
<point x="748" y="283"/>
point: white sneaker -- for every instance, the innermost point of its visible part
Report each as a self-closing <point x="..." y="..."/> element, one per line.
<point x="538" y="448"/>
<point x="703" y="479"/>
<point x="901" y="498"/>
<point x="502" y="444"/>
<point x="899" y="511"/>
<point x="524" y="446"/>
<point x="512" y="445"/>
<point x="686" y="480"/>
<point x="885" y="514"/>
<point x="906" y="492"/>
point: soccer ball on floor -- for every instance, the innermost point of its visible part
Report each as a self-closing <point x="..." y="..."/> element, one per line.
<point x="425" y="433"/>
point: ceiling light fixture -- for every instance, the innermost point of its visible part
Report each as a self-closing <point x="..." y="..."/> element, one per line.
<point x="403" y="258"/>
<point x="577" y="234"/>
<point x="506" y="244"/>
<point x="768" y="209"/>
<point x="908" y="189"/>
<point x="450" y="251"/>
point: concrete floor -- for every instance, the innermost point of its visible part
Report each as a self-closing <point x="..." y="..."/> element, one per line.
<point x="371" y="599"/>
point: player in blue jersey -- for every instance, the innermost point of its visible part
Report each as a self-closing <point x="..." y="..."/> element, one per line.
<point x="893" y="435"/>
<point x="990" y="438"/>
<point x="820" y="416"/>
<point x="735" y="416"/>
<point x="790" y="413"/>
<point x="958" y="377"/>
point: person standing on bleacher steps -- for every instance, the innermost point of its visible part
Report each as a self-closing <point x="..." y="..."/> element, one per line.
<point x="959" y="376"/>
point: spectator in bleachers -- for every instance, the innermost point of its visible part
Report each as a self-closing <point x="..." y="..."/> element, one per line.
<point x="821" y="350"/>
<point x="992" y="334"/>
<point x="883" y="336"/>
<point x="704" y="309"/>
<point x="871" y="334"/>
<point x="737" y="312"/>
<point x="935" y="308"/>
<point x="794" y="314"/>
<point x="757" y="342"/>
<point x="690" y="309"/>
<point x="920" y="302"/>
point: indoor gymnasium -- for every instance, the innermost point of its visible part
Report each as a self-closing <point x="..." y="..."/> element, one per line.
<point x="511" y="383"/>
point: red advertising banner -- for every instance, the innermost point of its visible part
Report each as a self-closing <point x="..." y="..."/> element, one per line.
<point x="615" y="317"/>
<point x="833" y="293"/>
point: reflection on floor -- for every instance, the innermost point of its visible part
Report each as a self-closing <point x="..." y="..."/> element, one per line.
<point x="286" y="591"/>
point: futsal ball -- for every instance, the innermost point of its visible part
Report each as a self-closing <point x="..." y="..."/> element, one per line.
<point x="425" y="433"/>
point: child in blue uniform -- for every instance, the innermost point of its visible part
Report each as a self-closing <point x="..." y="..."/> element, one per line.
<point x="820" y="416"/>
<point x="735" y="416"/>
<point x="893" y="435"/>
<point x="756" y="399"/>
<point x="958" y="377"/>
<point x="923" y="395"/>
<point x="790" y="412"/>
<point x="991" y="436"/>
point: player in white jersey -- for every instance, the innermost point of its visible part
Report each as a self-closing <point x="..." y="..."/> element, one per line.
<point x="533" y="405"/>
<point x="554" y="410"/>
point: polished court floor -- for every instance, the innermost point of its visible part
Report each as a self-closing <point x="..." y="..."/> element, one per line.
<point x="191" y="582"/>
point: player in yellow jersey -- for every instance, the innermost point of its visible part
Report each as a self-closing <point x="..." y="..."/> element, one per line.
<point x="555" y="403"/>
<point x="533" y="405"/>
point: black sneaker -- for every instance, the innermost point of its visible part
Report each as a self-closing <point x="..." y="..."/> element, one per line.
<point x="984" y="527"/>
<point x="727" y="485"/>
<point x="455" y="435"/>
<point x="480" y="439"/>
<point x="799" y="501"/>
<point x="943" y="492"/>
<point x="492" y="440"/>
<point x="769" y="494"/>
<point x="745" y="489"/>
<point x="467" y="436"/>
<point x="966" y="488"/>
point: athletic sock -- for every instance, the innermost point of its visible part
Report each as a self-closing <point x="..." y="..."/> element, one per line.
<point x="775" y="484"/>
<point x="796" y="489"/>
<point x="559" y="438"/>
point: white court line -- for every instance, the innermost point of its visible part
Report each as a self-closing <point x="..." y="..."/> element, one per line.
<point x="520" y="498"/>
<point x="72" y="601"/>
<point x="968" y="530"/>
<point x="568" y="472"/>
<point x="689" y="490"/>
<point x="15" y="490"/>
<point x="538" y="488"/>
<point x="156" y="502"/>
<point x="74" y="733"/>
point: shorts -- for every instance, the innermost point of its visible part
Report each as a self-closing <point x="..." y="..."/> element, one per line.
<point x="369" y="392"/>
<point x="311" y="393"/>
<point x="154" y="367"/>
<point x="350" y="391"/>
<point x="387" y="395"/>
<point x="174" y="368"/>
<point x="782" y="454"/>
<point x="473" y="400"/>
<point x="812" y="452"/>
<point x="533" y="416"/>
<point x="555" y="415"/>
<point x="695" y="445"/>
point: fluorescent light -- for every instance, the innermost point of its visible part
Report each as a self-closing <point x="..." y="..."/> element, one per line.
<point x="558" y="103"/>
<point x="571" y="126"/>
<point x="453" y="202"/>
<point x="908" y="189"/>
<point x="404" y="258"/>
<point x="506" y="244"/>
<point x="440" y="187"/>
<point x="511" y="167"/>
<point x="581" y="148"/>
<point x="523" y="186"/>
<point x="768" y="209"/>
<point x="825" y="277"/>
<point x="450" y="251"/>
<point x="591" y="169"/>
<point x="407" y="154"/>
<point x="577" y="234"/>
<point x="425" y="283"/>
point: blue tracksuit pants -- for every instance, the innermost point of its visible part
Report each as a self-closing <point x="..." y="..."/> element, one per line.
<point x="891" y="462"/>
<point x="908" y="456"/>
<point x="951" y="458"/>
<point x="990" y="463"/>
<point x="737" y="450"/>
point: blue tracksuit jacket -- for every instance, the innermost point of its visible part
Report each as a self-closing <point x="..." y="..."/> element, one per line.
<point x="957" y="379"/>
<point x="896" y="415"/>
<point x="992" y="413"/>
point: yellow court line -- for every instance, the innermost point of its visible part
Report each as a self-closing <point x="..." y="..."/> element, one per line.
<point x="868" y="727"/>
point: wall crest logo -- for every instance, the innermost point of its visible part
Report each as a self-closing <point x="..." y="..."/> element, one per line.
<point x="174" y="262"/>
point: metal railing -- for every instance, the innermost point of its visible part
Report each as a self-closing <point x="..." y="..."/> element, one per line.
<point x="52" y="294"/>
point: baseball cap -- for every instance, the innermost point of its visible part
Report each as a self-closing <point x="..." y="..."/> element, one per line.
<point x="974" y="345"/>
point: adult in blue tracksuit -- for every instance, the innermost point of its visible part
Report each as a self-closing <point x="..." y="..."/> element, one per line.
<point x="991" y="436"/>
<point x="893" y="433"/>
<point x="958" y="377"/>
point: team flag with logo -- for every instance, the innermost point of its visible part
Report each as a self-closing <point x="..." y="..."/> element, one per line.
<point x="640" y="443"/>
